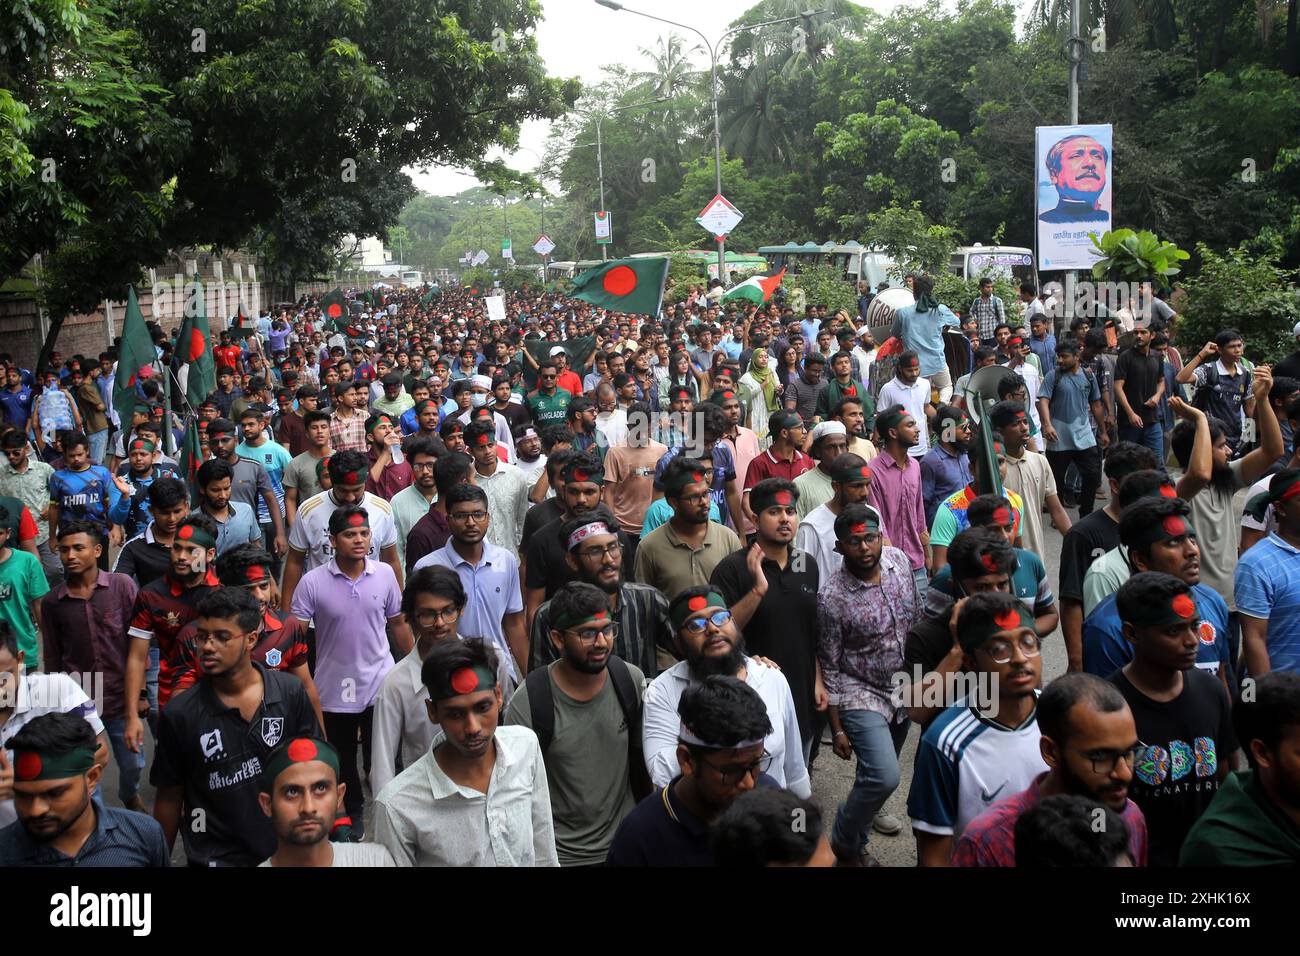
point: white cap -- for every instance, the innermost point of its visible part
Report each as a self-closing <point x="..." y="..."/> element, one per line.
<point x="828" y="428"/>
<point x="370" y="343"/>
<point x="557" y="350"/>
<point x="481" y="381"/>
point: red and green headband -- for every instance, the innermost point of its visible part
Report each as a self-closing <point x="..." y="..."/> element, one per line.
<point x="676" y="483"/>
<point x="29" y="765"/>
<point x="376" y="422"/>
<point x="189" y="533"/>
<point x="463" y="680"/>
<point x="252" y="575"/>
<point x="972" y="634"/>
<point x="141" y="444"/>
<point x="301" y="750"/>
<point x="683" y="611"/>
<point x="571" y="622"/>
<point x="1180" y="609"/>
<point x="1166" y="529"/>
<point x="760" y="501"/>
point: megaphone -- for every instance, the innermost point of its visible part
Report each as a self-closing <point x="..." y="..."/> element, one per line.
<point x="982" y="389"/>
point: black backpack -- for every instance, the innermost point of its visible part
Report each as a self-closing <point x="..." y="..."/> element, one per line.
<point x="541" y="706"/>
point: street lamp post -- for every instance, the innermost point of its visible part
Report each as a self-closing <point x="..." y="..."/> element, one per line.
<point x="600" y="154"/>
<point x="713" y="49"/>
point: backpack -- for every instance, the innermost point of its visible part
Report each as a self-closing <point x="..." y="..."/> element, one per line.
<point x="1208" y="389"/>
<point x="541" y="707"/>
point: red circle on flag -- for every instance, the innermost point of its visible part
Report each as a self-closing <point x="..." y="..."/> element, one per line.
<point x="302" y="749"/>
<point x="28" y="766"/>
<point x="186" y="532"/>
<point x="1174" y="526"/>
<point x="619" y="280"/>
<point x="198" y="345"/>
<point x="990" y="563"/>
<point x="464" y="681"/>
<point x="333" y="310"/>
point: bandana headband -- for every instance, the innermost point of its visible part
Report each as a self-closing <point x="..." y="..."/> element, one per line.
<point x="1014" y="618"/>
<point x="1168" y="527"/>
<point x="781" y="498"/>
<point x="689" y="608"/>
<point x="30" y="765"/>
<point x="379" y="420"/>
<point x="1180" y="609"/>
<point x="586" y="531"/>
<point x="142" y="444"/>
<point x="464" y="680"/>
<point x="193" y="534"/>
<point x="571" y="622"/>
<point x="692" y="739"/>
<point x="301" y="750"/>
<point x="242" y="577"/>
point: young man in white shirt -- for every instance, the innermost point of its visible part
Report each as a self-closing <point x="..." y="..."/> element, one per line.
<point x="909" y="389"/>
<point x="436" y="811"/>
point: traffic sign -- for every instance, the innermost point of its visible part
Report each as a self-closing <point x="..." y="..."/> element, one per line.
<point x="544" y="246"/>
<point x="720" y="217"/>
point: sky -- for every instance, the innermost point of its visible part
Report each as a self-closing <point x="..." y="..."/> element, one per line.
<point x="578" y="36"/>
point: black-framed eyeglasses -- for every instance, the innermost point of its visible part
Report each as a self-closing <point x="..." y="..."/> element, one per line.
<point x="1000" y="652"/>
<point x="423" y="465"/>
<point x="588" y="635"/>
<point x="468" y="515"/>
<point x="1104" y="761"/>
<point x="612" y="550"/>
<point x="734" y="775"/>
<point x="428" y="617"/>
<point x="696" y="625"/>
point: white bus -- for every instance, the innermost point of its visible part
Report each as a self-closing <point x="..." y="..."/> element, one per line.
<point x="1015" y="263"/>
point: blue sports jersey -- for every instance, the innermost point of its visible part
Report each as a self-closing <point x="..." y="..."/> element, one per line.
<point x="1106" y="650"/>
<point x="80" y="494"/>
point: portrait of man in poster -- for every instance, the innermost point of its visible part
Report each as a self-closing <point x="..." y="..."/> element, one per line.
<point x="1077" y="166"/>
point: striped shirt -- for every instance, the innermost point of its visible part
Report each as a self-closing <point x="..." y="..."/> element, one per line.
<point x="642" y="617"/>
<point x="1268" y="588"/>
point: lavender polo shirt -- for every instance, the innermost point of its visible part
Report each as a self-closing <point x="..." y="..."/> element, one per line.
<point x="352" y="655"/>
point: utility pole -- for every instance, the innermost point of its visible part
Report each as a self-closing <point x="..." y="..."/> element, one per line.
<point x="1075" y="51"/>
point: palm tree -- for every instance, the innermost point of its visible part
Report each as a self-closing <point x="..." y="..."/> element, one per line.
<point x="671" y="72"/>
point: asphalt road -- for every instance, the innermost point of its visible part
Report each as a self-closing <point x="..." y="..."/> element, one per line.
<point x="832" y="778"/>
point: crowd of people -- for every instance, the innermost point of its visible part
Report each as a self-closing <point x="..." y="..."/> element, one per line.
<point x="588" y="588"/>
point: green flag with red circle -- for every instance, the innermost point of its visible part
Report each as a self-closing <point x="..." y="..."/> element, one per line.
<point x="625" y="285"/>
<point x="334" y="308"/>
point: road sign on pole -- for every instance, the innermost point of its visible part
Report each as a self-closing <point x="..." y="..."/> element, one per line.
<point x="720" y="217"/>
<point x="543" y="246"/>
<point x="604" y="228"/>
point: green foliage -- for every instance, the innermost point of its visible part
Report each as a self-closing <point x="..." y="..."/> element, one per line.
<point x="477" y="278"/>
<point x="683" y="273"/>
<point x="823" y="285"/>
<point x="910" y="239"/>
<point x="958" y="293"/>
<point x="1244" y="289"/>
<point x="1130" y="256"/>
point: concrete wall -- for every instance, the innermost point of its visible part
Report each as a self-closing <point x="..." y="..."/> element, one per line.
<point x="162" y="294"/>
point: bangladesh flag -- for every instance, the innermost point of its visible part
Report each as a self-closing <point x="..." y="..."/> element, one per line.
<point x="335" y="309"/>
<point x="191" y="455"/>
<point x="194" y="348"/>
<point x="241" y="326"/>
<point x="136" y="353"/>
<point x="755" y="289"/>
<point x="625" y="285"/>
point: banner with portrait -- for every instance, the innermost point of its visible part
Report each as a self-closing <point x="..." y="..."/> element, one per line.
<point x="1073" y="173"/>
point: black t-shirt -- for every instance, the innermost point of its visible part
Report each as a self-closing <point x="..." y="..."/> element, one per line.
<point x="1176" y="774"/>
<point x="928" y="643"/>
<point x="516" y="416"/>
<point x="218" y="758"/>
<point x="544" y="554"/>
<point x="143" y="561"/>
<point x="538" y="516"/>
<point x="1085" y="542"/>
<point x="1141" y="375"/>
<point x="784" y="627"/>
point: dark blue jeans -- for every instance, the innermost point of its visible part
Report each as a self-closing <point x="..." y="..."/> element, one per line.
<point x="1152" y="436"/>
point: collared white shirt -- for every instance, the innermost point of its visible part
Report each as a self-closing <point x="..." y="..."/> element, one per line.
<point x="507" y="492"/>
<point x="424" y="818"/>
<point x="310" y="534"/>
<point x="661" y="724"/>
<point x="816" y="536"/>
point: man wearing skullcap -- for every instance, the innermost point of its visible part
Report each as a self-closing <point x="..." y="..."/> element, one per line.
<point x="1183" y="714"/>
<point x="302" y="795"/>
<point x="480" y="403"/>
<point x="829" y="441"/>
<point x="210" y="757"/>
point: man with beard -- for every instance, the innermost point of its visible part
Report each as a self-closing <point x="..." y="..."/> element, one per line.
<point x="719" y="729"/>
<point x="586" y="711"/>
<point x="1210" y="482"/>
<point x="530" y="461"/>
<point x="162" y="608"/>
<point x="302" y="797"/>
<point x="1090" y="743"/>
<point x="54" y="772"/>
<point x="236" y="522"/>
<point x="829" y="441"/>
<point x="896" y="489"/>
<point x="545" y="569"/>
<point x="863" y="612"/>
<point x="1252" y="819"/>
<point x="214" y="740"/>
<point x="684" y="552"/>
<point x="1159" y="537"/>
<point x="1183" y="715"/>
<point x="390" y="472"/>
<point x="772" y="591"/>
<point x="985" y="746"/>
<point x="592" y="551"/>
<point x="709" y="643"/>
<point x="815" y="536"/>
<point x="945" y="468"/>
<point x="436" y="812"/>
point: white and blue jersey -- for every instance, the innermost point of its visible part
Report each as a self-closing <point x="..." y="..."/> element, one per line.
<point x="965" y="764"/>
<point x="1106" y="650"/>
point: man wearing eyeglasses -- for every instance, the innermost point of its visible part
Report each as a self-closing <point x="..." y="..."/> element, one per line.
<point x="490" y="574"/>
<point x="594" y="553"/>
<point x="985" y="747"/>
<point x="710" y="643"/>
<point x="863" y="612"/>
<point x="586" y="711"/>
<point x="432" y="602"/>
<point x="1090" y="742"/>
